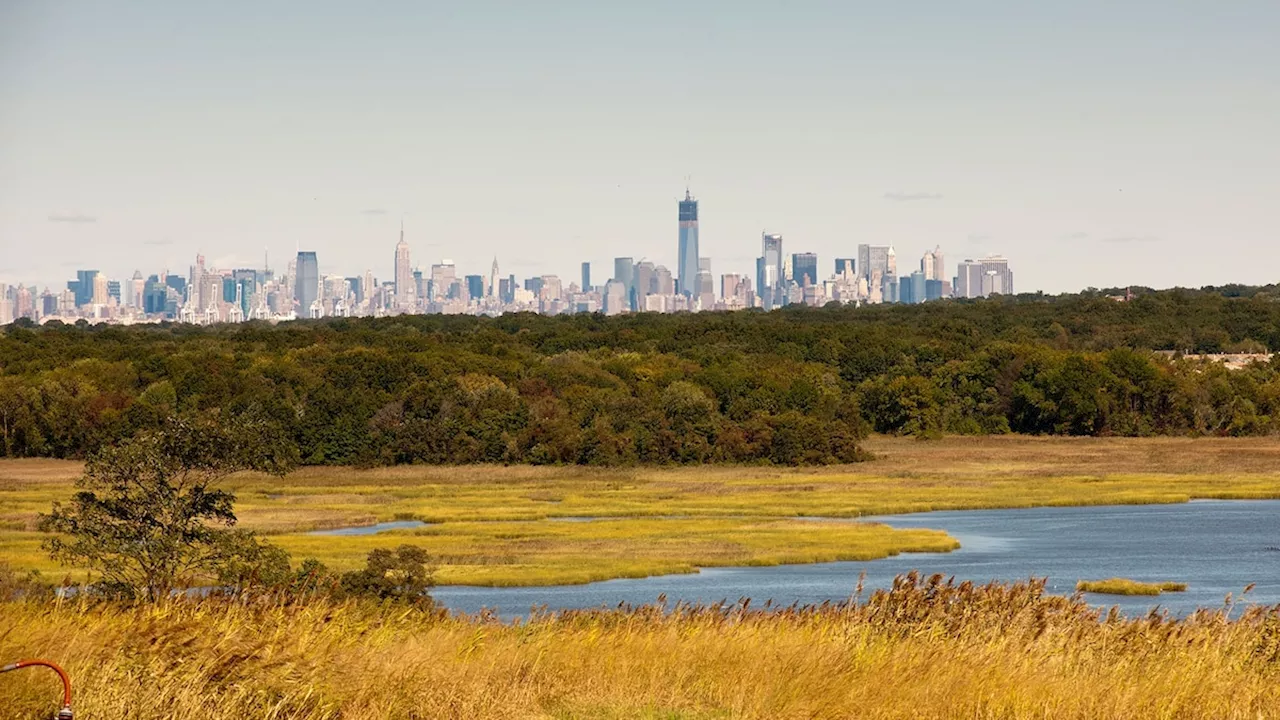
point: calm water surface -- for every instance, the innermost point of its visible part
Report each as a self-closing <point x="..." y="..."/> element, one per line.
<point x="372" y="529"/>
<point x="1217" y="547"/>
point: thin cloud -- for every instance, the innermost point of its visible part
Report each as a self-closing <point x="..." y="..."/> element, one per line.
<point x="72" y="218"/>
<point x="373" y="211"/>
<point x="1131" y="239"/>
<point x="912" y="196"/>
<point x="977" y="239"/>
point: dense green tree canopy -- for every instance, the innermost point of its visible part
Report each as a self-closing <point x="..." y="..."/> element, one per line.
<point x="798" y="385"/>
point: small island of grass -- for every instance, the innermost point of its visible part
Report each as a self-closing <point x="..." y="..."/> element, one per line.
<point x="1124" y="586"/>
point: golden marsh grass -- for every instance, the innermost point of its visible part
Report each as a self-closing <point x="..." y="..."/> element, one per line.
<point x="920" y="651"/>
<point x="494" y="525"/>
<point x="1125" y="586"/>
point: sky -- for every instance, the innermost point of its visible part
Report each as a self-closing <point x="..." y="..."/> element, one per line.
<point x="1092" y="143"/>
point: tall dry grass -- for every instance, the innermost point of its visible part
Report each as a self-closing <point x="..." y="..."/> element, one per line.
<point x="925" y="649"/>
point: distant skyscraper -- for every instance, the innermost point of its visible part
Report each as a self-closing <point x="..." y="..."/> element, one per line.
<point x="847" y="266"/>
<point x="686" y="283"/>
<point x="404" y="273"/>
<point x="769" y="269"/>
<point x="306" y="286"/>
<point x="137" y="286"/>
<point x="99" y="289"/>
<point x="586" y="277"/>
<point x="932" y="265"/>
<point x="475" y="286"/>
<point x="988" y="276"/>
<point x="493" y="278"/>
<point x="804" y="268"/>
<point x="443" y="276"/>
<point x="82" y="286"/>
<point x="875" y="257"/>
<point x="624" y="271"/>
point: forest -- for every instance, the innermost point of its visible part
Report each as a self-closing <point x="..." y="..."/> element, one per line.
<point x="794" y="386"/>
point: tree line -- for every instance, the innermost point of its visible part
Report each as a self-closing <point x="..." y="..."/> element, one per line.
<point x="794" y="386"/>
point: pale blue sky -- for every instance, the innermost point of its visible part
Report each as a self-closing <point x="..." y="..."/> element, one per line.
<point x="1093" y="143"/>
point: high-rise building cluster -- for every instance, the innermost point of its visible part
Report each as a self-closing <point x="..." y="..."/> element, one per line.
<point x="207" y="295"/>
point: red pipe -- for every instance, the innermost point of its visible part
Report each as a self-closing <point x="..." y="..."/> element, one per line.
<point x="65" y="712"/>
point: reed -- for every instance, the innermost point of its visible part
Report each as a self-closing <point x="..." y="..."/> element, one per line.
<point x="925" y="649"/>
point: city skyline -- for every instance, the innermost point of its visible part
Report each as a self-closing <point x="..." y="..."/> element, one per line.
<point x="137" y="133"/>
<point x="212" y="294"/>
<point x="393" y="270"/>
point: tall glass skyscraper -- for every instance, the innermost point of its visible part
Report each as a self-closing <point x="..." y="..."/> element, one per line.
<point x="306" y="286"/>
<point x="804" y="267"/>
<point x="686" y="279"/>
<point x="769" y="270"/>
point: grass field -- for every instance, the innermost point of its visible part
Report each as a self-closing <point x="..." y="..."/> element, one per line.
<point x="919" y="652"/>
<point x="498" y="525"/>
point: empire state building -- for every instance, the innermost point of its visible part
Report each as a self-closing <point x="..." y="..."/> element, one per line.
<point x="404" y="273"/>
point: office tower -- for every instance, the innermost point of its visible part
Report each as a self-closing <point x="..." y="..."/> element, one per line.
<point x="615" y="297"/>
<point x="769" y="269"/>
<point x="846" y="266"/>
<point x="493" y="277"/>
<point x="891" y="261"/>
<point x="663" y="281"/>
<point x="48" y="304"/>
<point x="982" y="278"/>
<point x="586" y="277"/>
<point x="306" y="284"/>
<point x="421" y="287"/>
<point x="644" y="281"/>
<point x="403" y="273"/>
<point x="706" y="282"/>
<point x="997" y="277"/>
<point x="804" y="269"/>
<point x="933" y="289"/>
<point x="919" y="291"/>
<point x="890" y="288"/>
<point x="368" y="288"/>
<point x="475" y="287"/>
<point x="23" y="305"/>
<point x="6" y="305"/>
<point x="872" y="258"/>
<point x="534" y="285"/>
<point x="687" y="267"/>
<point x="99" y="290"/>
<point x="706" y="290"/>
<point x="139" y="287"/>
<point x="443" y="276"/>
<point x="82" y="286"/>
<point x="179" y="284"/>
<point x="550" y="288"/>
<point x="932" y="265"/>
<point x="729" y="283"/>
<point x="624" y="271"/>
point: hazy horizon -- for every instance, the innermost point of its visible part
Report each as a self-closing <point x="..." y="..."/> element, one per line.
<point x="1091" y="144"/>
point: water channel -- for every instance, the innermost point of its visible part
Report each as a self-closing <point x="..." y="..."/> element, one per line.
<point x="1216" y="547"/>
